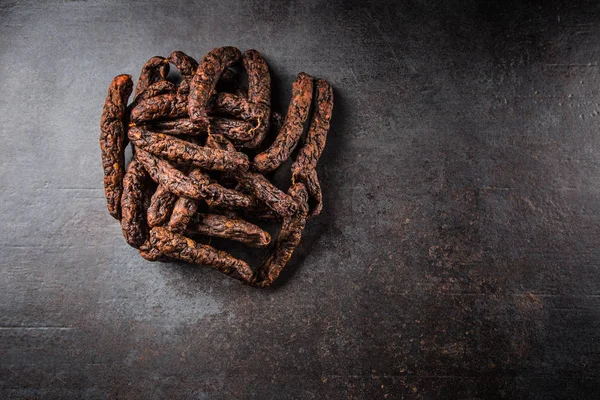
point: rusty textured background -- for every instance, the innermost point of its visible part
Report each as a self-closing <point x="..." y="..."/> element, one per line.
<point x="457" y="256"/>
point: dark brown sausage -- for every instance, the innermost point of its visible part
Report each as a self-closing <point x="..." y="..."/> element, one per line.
<point x="155" y="69"/>
<point x="185" y="208"/>
<point x="183" y="151"/>
<point x="161" y="206"/>
<point x="179" y="126"/>
<point x="205" y="80"/>
<point x="112" y="133"/>
<point x="164" y="106"/>
<point x="178" y="183"/>
<point x="187" y="67"/>
<point x="313" y="186"/>
<point x="185" y="249"/>
<point x="170" y="177"/>
<point x="156" y="89"/>
<point x="236" y="106"/>
<point x="216" y="141"/>
<point x="259" y="95"/>
<point x="234" y="129"/>
<point x="292" y="128"/>
<point x="185" y="64"/>
<point x="267" y="193"/>
<point x="257" y="184"/>
<point x="231" y="228"/>
<point x="304" y="168"/>
<point x="287" y="240"/>
<point x="316" y="137"/>
<point x="133" y="220"/>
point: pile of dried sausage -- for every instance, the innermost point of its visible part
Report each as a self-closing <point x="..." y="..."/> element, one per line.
<point x="204" y="150"/>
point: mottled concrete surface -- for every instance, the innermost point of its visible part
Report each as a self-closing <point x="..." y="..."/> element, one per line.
<point x="457" y="256"/>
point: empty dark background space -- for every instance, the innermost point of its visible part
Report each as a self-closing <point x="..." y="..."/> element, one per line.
<point x="457" y="255"/>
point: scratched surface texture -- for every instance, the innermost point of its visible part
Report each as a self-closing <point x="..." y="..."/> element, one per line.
<point x="457" y="255"/>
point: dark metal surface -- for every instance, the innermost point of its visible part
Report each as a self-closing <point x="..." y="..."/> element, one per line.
<point x="457" y="255"/>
